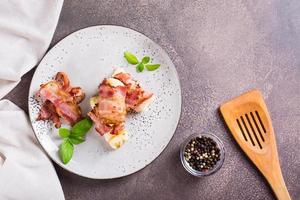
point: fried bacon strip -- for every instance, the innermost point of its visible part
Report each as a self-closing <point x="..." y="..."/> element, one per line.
<point x="117" y="95"/>
<point x="48" y="112"/>
<point x="60" y="101"/>
<point x="136" y="98"/>
<point x="109" y="111"/>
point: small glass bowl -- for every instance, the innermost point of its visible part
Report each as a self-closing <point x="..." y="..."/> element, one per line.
<point x="202" y="173"/>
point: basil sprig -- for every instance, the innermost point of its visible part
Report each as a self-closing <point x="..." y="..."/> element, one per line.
<point x="72" y="137"/>
<point x="66" y="150"/>
<point x="152" y="67"/>
<point x="140" y="66"/>
<point x="132" y="59"/>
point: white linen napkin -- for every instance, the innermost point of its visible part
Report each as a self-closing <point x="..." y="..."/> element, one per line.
<point x="26" y="30"/>
<point x="26" y="172"/>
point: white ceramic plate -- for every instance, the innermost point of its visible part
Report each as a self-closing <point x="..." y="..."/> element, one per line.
<point x="88" y="56"/>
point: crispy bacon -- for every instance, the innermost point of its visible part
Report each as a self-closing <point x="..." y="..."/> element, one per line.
<point x="135" y="95"/>
<point x="110" y="110"/>
<point x="60" y="100"/>
<point x="48" y="112"/>
<point x="118" y="128"/>
<point x="78" y="94"/>
<point x="100" y="126"/>
<point x="69" y="111"/>
<point x="53" y="92"/>
<point x="63" y="80"/>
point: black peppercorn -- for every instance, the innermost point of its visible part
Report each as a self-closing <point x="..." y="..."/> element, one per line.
<point x="202" y="153"/>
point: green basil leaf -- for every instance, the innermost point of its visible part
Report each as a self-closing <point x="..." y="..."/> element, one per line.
<point x="146" y="59"/>
<point x="131" y="58"/>
<point x="152" y="67"/>
<point x="66" y="150"/>
<point x="140" y="67"/>
<point x="76" y="139"/>
<point x="63" y="132"/>
<point x="81" y="127"/>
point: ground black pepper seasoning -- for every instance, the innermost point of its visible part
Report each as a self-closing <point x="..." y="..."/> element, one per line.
<point x="202" y="153"/>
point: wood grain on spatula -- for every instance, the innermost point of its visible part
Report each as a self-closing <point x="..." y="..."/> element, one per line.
<point x="250" y="124"/>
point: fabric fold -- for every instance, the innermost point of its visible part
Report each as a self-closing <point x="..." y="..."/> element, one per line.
<point x="26" y="173"/>
<point x="26" y="30"/>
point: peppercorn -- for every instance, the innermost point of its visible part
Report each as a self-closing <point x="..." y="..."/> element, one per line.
<point x="202" y="153"/>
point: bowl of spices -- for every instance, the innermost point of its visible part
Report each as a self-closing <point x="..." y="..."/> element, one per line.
<point x="202" y="154"/>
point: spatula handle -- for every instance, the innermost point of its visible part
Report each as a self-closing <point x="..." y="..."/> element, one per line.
<point x="279" y="187"/>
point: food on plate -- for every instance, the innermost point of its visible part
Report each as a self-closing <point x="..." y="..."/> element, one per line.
<point x="137" y="98"/>
<point x="116" y="140"/>
<point x="71" y="137"/>
<point x="109" y="108"/>
<point x="109" y="111"/>
<point x="140" y="65"/>
<point x="117" y="95"/>
<point x="60" y="101"/>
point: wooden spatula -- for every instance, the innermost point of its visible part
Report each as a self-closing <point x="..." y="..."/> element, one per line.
<point x="250" y="124"/>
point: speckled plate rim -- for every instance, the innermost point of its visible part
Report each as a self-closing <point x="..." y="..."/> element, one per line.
<point x="177" y="120"/>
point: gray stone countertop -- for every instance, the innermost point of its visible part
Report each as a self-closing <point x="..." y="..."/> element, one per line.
<point x="221" y="48"/>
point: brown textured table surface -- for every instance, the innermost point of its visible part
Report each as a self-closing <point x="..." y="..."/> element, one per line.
<point x="220" y="48"/>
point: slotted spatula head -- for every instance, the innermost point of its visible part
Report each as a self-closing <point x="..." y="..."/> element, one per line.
<point x="250" y="124"/>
